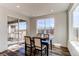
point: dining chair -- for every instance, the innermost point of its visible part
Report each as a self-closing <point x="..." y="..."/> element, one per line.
<point x="46" y="36"/>
<point x="38" y="45"/>
<point x="28" y="44"/>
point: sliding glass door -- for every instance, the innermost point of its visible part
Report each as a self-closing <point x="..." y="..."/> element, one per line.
<point x="22" y="30"/>
<point x="13" y="33"/>
<point x="17" y="29"/>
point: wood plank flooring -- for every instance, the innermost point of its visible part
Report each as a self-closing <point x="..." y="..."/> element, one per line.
<point x="56" y="51"/>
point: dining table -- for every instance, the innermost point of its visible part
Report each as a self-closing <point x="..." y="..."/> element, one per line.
<point x="47" y="42"/>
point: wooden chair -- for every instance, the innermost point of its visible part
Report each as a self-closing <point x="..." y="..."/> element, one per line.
<point x="28" y="44"/>
<point x="46" y="36"/>
<point x="38" y="45"/>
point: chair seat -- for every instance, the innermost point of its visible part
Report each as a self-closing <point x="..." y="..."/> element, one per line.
<point x="45" y="41"/>
<point x="39" y="48"/>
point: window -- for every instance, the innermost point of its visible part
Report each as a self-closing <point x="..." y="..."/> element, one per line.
<point x="76" y="23"/>
<point x="17" y="31"/>
<point x="45" y="25"/>
<point x="22" y="30"/>
<point x="22" y="25"/>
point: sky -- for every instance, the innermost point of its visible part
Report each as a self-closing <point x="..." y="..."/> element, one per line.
<point x="22" y="25"/>
<point x="76" y="17"/>
<point x="45" y="23"/>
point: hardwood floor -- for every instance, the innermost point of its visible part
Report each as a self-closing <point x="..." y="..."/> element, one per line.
<point x="60" y="51"/>
<point x="56" y="51"/>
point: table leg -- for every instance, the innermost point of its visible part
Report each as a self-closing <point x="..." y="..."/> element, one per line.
<point x="51" y="44"/>
<point x="25" y="51"/>
<point x="47" y="49"/>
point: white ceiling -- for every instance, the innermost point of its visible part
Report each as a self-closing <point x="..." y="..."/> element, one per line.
<point x="36" y="9"/>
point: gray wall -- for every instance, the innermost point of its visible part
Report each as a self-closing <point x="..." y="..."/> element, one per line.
<point x="60" y="27"/>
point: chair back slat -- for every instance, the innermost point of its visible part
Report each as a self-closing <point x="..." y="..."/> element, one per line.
<point x="28" y="40"/>
<point x="37" y="41"/>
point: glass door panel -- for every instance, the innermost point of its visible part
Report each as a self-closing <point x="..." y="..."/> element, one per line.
<point x="22" y="32"/>
<point x="16" y="32"/>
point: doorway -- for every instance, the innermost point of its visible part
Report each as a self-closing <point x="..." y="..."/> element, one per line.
<point x="17" y="29"/>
